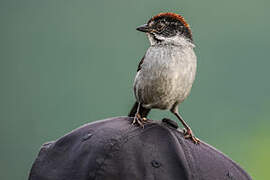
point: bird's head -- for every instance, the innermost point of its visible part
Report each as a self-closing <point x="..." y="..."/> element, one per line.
<point x="167" y="28"/>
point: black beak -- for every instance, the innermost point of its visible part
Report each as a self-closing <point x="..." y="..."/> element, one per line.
<point x="143" y="28"/>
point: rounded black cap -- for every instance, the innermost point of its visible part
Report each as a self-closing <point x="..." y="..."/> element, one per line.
<point x="113" y="149"/>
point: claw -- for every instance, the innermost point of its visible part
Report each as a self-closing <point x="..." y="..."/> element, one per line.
<point x="139" y="120"/>
<point x="144" y="119"/>
<point x="189" y="135"/>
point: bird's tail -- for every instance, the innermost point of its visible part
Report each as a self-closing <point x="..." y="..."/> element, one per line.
<point x="142" y="111"/>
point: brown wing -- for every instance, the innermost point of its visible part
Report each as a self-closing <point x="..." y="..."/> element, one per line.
<point x="140" y="64"/>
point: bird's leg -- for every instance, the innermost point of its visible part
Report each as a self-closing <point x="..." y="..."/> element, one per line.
<point x="188" y="132"/>
<point x="138" y="119"/>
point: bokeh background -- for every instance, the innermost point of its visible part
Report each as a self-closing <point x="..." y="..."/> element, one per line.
<point x="65" y="63"/>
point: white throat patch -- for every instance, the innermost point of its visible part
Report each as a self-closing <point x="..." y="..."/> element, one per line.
<point x="177" y="40"/>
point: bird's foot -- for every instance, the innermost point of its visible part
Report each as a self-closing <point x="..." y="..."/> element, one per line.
<point x="189" y="135"/>
<point x="139" y="120"/>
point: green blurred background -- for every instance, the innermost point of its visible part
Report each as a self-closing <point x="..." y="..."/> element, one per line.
<point x="66" y="63"/>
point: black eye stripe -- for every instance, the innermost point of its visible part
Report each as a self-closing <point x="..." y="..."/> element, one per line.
<point x="168" y="27"/>
<point x="166" y="32"/>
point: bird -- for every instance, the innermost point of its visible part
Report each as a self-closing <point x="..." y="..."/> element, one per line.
<point x="166" y="72"/>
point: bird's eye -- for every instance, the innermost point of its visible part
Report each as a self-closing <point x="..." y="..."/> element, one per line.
<point x="160" y="26"/>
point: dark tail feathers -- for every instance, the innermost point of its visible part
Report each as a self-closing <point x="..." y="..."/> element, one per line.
<point x="142" y="111"/>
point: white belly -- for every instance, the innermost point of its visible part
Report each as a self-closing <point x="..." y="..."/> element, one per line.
<point x="166" y="76"/>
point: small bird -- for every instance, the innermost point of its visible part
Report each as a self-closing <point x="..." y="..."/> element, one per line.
<point x="167" y="70"/>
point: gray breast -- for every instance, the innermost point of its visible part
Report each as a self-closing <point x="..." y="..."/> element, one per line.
<point x="166" y="76"/>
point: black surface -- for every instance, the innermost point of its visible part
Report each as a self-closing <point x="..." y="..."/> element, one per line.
<point x="113" y="149"/>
